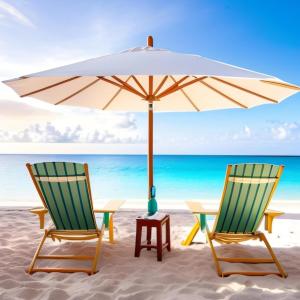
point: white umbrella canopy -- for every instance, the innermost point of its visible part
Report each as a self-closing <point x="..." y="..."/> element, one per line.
<point x="181" y="82"/>
<point x="147" y="79"/>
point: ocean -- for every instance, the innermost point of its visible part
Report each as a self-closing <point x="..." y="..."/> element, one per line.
<point x="177" y="177"/>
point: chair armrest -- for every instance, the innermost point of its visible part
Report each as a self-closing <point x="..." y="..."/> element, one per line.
<point x="41" y="211"/>
<point x="110" y="207"/>
<point x="197" y="208"/>
<point x="108" y="210"/>
<point x="269" y="217"/>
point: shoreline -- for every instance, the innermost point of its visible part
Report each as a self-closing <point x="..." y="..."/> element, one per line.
<point x="287" y="206"/>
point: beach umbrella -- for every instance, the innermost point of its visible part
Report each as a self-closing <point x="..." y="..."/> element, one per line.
<point x="152" y="79"/>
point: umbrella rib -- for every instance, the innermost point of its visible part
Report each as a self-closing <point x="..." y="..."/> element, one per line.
<point x="150" y="85"/>
<point x="282" y="84"/>
<point x="139" y="84"/>
<point x="49" y="86"/>
<point x="222" y="94"/>
<point x="177" y="87"/>
<point x="77" y="92"/>
<point x="187" y="96"/>
<point x="129" y="87"/>
<point x="245" y="90"/>
<point x="114" y="96"/>
<point x="170" y="89"/>
<point x="121" y="86"/>
<point x="160" y="85"/>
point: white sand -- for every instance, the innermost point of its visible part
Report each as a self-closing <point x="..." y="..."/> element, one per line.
<point x="184" y="273"/>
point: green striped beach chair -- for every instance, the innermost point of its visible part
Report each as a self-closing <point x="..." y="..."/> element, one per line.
<point x="64" y="188"/>
<point x="247" y="193"/>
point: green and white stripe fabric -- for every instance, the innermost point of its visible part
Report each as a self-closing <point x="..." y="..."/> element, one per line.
<point x="65" y="190"/>
<point x="248" y="191"/>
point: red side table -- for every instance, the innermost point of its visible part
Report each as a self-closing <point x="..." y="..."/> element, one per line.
<point x="158" y="223"/>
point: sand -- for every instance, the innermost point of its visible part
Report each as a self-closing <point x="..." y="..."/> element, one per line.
<point x="184" y="273"/>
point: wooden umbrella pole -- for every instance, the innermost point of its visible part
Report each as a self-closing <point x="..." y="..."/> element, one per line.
<point x="150" y="148"/>
<point x="150" y="129"/>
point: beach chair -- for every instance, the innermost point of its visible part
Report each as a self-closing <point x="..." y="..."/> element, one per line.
<point x="65" y="191"/>
<point x="246" y="195"/>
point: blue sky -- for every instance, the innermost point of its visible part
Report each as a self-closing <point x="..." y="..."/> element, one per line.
<point x="259" y="35"/>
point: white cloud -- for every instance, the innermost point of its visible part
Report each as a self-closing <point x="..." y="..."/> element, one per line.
<point x="285" y="130"/>
<point x="245" y="133"/>
<point x="23" y="123"/>
<point x="50" y="133"/>
<point x="273" y="130"/>
<point x="12" y="11"/>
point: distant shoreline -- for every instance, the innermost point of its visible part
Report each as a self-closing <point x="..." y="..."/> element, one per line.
<point x="126" y="154"/>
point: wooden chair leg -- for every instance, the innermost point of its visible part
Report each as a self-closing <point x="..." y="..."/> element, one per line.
<point x="97" y="252"/>
<point x="149" y="234"/>
<point x="276" y="261"/>
<point x="189" y="239"/>
<point x="217" y="264"/>
<point x="138" y="239"/>
<point x="159" y="242"/>
<point x="168" y="237"/>
<point x="31" y="266"/>
<point x="111" y="228"/>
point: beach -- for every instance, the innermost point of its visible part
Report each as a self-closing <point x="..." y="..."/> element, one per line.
<point x="151" y="153"/>
<point x="184" y="273"/>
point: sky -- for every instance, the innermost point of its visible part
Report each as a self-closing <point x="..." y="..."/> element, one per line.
<point x="259" y="35"/>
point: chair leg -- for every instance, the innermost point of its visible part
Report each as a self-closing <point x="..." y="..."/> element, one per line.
<point x="98" y="249"/>
<point x="111" y="228"/>
<point x="31" y="266"/>
<point x="192" y="234"/>
<point x="214" y="254"/>
<point x="276" y="261"/>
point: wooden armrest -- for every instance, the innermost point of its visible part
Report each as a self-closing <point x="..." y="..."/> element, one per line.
<point x="269" y="217"/>
<point x="41" y="211"/>
<point x="110" y="207"/>
<point x="197" y="208"/>
<point x="274" y="213"/>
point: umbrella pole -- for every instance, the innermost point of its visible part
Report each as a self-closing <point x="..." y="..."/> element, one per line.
<point x="150" y="149"/>
<point x="150" y="129"/>
<point x="152" y="204"/>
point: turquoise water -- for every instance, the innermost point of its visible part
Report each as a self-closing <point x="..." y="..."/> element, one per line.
<point x="125" y="176"/>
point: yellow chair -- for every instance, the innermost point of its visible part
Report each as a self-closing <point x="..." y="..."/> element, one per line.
<point x="64" y="188"/>
<point x="247" y="193"/>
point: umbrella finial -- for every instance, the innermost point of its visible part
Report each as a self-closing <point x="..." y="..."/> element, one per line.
<point x="150" y="41"/>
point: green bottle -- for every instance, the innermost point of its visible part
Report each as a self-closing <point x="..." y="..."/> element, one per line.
<point x="152" y="204"/>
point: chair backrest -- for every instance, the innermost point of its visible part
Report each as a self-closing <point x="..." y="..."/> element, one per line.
<point x="64" y="188"/>
<point x="247" y="192"/>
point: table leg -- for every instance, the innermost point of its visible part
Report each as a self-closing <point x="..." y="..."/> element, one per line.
<point x="159" y="242"/>
<point x="168" y="239"/>
<point x="138" y="239"/>
<point x="149" y="234"/>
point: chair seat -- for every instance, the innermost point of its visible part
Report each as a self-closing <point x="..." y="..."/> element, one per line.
<point x="99" y="217"/>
